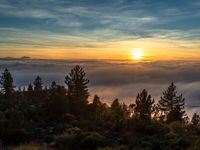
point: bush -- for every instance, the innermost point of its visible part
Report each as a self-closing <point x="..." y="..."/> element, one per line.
<point x="68" y="141"/>
<point x="76" y="139"/>
<point x="93" y="141"/>
<point x="177" y="128"/>
<point x="149" y="128"/>
<point x="196" y="145"/>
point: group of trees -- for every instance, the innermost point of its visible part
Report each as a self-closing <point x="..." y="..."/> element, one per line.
<point x="63" y="118"/>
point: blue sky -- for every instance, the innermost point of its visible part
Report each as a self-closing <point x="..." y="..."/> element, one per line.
<point x="29" y="24"/>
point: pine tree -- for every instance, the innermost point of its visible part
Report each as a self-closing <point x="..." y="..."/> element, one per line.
<point x="94" y="109"/>
<point x="53" y="85"/>
<point x="38" y="98"/>
<point x="30" y="88"/>
<point x="77" y="89"/>
<point x="196" y="120"/>
<point x="96" y="100"/>
<point x="119" y="112"/>
<point x="38" y="84"/>
<point x="172" y="104"/>
<point x="144" y="106"/>
<point x="6" y="83"/>
<point x="56" y="105"/>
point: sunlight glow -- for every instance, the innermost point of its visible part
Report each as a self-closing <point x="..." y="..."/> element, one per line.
<point x="137" y="54"/>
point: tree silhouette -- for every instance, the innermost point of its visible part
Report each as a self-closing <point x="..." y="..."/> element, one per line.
<point x="56" y="105"/>
<point x="6" y="83"/>
<point x="195" y="120"/>
<point x="144" y="106"/>
<point x="30" y="88"/>
<point x="172" y="104"/>
<point x="77" y="89"/>
<point x="96" y="101"/>
<point x="38" y="84"/>
<point x="116" y="113"/>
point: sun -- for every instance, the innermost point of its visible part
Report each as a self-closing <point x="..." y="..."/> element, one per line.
<point x="137" y="54"/>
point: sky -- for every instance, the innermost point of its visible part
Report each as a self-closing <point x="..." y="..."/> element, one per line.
<point x="100" y="29"/>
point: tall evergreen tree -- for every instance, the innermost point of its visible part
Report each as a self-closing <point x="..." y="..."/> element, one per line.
<point x="6" y="83"/>
<point x="172" y="104"/>
<point x="30" y="88"/>
<point x="38" y="98"/>
<point x="195" y="120"/>
<point x="56" y="105"/>
<point x="119" y="112"/>
<point x="77" y="89"/>
<point x="38" y="84"/>
<point x="144" y="106"/>
<point x="96" y="100"/>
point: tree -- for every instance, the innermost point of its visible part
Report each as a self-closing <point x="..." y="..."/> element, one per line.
<point x="116" y="111"/>
<point x="77" y="89"/>
<point x="57" y="105"/>
<point x="144" y="106"/>
<point x="195" y="120"/>
<point x="175" y="115"/>
<point x="30" y="88"/>
<point x="6" y="83"/>
<point x="38" y="99"/>
<point x="95" y="108"/>
<point x="119" y="111"/>
<point x="96" y="101"/>
<point x="38" y="84"/>
<point x="98" y="112"/>
<point x="172" y="104"/>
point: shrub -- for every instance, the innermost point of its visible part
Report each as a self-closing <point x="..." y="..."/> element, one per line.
<point x="93" y="141"/>
<point x="177" y="128"/>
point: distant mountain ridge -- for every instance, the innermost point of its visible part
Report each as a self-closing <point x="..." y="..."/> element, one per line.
<point x="15" y="58"/>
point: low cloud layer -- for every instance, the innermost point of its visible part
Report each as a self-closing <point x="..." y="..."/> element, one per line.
<point x="116" y="79"/>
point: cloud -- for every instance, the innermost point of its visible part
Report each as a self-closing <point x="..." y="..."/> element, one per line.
<point x="116" y="79"/>
<point x="122" y="15"/>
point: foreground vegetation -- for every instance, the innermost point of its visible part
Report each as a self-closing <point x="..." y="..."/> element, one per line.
<point x="38" y="117"/>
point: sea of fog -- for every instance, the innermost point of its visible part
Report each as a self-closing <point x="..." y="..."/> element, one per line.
<point x="116" y="79"/>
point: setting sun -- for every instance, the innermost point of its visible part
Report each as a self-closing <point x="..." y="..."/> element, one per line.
<point x="138" y="54"/>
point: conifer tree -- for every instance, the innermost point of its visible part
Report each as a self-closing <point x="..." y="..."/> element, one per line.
<point x="144" y="106"/>
<point x="6" y="83"/>
<point x="195" y="120"/>
<point x="172" y="104"/>
<point x="30" y="88"/>
<point x="94" y="109"/>
<point x="56" y="105"/>
<point x="96" y="100"/>
<point x="77" y="88"/>
<point x="38" y="97"/>
<point x="119" y="112"/>
<point x="38" y="84"/>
